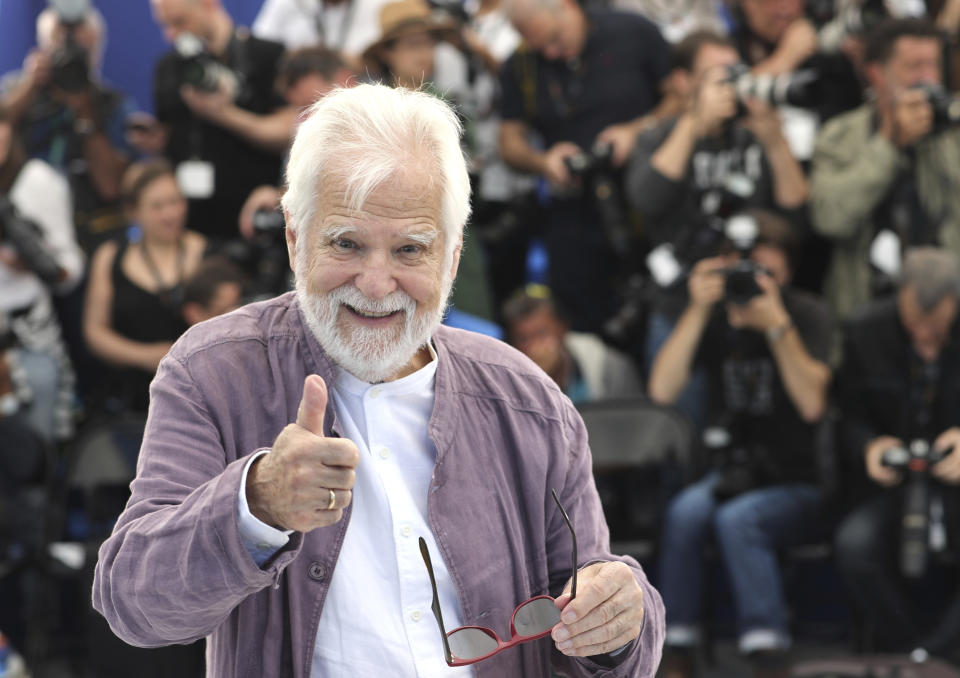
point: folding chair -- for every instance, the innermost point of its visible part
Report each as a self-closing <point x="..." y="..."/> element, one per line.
<point x="642" y="453"/>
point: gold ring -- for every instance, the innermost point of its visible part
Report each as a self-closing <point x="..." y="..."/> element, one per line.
<point x="333" y="499"/>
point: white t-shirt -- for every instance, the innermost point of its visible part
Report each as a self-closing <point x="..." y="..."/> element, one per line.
<point x="348" y="27"/>
<point x="42" y="195"/>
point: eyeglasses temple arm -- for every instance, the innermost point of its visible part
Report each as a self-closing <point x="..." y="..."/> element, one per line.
<point x="573" y="538"/>
<point x="435" y="604"/>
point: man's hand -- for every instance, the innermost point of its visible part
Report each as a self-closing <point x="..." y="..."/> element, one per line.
<point x="948" y="468"/>
<point x="714" y="102"/>
<point x="37" y="69"/>
<point x="606" y="614"/>
<point x="763" y="121"/>
<point x="764" y="312"/>
<point x="289" y="488"/>
<point x="554" y="167"/>
<point x="909" y="119"/>
<point x="798" y="43"/>
<point x="622" y="138"/>
<point x="873" y="456"/>
<point x="706" y="283"/>
<point x="261" y="198"/>
<point x="207" y="105"/>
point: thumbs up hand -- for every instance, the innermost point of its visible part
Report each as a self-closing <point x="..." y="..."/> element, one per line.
<point x="290" y="488"/>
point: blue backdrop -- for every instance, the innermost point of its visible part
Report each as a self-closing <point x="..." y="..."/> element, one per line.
<point x="133" y="40"/>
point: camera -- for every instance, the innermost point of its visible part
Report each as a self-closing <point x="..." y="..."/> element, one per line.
<point x="918" y="534"/>
<point x="586" y="163"/>
<point x="799" y="88"/>
<point x="26" y="239"/>
<point x="198" y="68"/>
<point x="600" y="181"/>
<point x="946" y="107"/>
<point x="70" y="65"/>
<point x="268" y="221"/>
<point x="740" y="282"/>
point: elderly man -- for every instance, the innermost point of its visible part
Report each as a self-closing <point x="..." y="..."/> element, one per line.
<point x="297" y="448"/>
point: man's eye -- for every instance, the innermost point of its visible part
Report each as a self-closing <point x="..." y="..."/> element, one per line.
<point x="343" y="244"/>
<point x="411" y="250"/>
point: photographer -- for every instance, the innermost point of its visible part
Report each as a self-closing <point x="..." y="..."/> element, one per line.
<point x="884" y="176"/>
<point x="38" y="254"/>
<point x="691" y="172"/>
<point x="70" y="118"/>
<point x="764" y="347"/>
<point x="778" y="38"/>
<point x="216" y="166"/>
<point x="900" y="382"/>
<point x="583" y="79"/>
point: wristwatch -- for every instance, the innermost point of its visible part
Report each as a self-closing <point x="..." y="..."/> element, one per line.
<point x="775" y="334"/>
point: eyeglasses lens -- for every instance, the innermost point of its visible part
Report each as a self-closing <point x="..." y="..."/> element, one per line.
<point x="536" y="617"/>
<point x="471" y="643"/>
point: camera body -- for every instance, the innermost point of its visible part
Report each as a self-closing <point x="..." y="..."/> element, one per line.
<point x="799" y="88"/>
<point x="268" y="221"/>
<point x="585" y="163"/>
<point x="600" y="181"/>
<point x="26" y="239"/>
<point x="915" y="461"/>
<point x="70" y="64"/>
<point x="199" y="69"/>
<point x="946" y="107"/>
<point x="740" y="282"/>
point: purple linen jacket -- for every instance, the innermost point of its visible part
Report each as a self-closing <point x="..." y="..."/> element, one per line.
<point x="175" y="569"/>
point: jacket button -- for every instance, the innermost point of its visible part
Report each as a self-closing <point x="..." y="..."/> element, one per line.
<point x="316" y="570"/>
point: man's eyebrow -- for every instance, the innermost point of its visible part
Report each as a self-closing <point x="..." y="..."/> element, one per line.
<point x="334" y="232"/>
<point x="424" y="238"/>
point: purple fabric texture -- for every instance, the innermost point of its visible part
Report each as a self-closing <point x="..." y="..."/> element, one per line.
<point x="175" y="568"/>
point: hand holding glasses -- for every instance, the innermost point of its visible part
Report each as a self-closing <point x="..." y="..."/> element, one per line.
<point x="532" y="619"/>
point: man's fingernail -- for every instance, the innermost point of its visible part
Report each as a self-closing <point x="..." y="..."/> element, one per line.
<point x="568" y="617"/>
<point x="560" y="635"/>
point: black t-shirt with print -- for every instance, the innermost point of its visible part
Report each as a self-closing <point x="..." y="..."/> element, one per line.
<point x="747" y="392"/>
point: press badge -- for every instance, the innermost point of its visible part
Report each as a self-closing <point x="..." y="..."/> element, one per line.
<point x="196" y="178"/>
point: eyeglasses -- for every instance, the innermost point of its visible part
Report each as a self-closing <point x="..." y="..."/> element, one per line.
<point x="532" y="619"/>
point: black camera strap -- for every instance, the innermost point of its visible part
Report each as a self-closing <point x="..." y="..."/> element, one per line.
<point x="922" y="397"/>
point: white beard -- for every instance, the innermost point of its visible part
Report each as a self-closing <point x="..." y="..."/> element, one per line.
<point x="370" y="354"/>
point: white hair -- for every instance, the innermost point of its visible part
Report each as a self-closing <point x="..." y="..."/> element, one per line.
<point x="364" y="135"/>
<point x="48" y="20"/>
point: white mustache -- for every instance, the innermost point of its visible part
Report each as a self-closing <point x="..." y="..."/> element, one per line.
<point x="393" y="302"/>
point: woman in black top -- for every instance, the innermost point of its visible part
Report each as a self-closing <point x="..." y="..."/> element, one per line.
<point x="132" y="313"/>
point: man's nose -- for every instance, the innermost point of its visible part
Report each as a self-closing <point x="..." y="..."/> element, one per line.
<point x="376" y="278"/>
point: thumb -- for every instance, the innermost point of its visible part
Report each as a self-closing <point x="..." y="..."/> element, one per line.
<point x="313" y="404"/>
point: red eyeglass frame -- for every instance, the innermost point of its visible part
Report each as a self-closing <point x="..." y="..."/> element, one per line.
<point x="515" y="638"/>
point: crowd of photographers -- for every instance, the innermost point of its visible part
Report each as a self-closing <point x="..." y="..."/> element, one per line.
<point x="752" y="207"/>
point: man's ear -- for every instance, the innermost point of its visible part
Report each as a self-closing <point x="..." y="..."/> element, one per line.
<point x="291" y="235"/>
<point x="455" y="263"/>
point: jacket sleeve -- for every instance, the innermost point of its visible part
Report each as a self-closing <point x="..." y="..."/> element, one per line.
<point x="848" y="180"/>
<point x="649" y="192"/>
<point x="580" y="498"/>
<point x="175" y="565"/>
